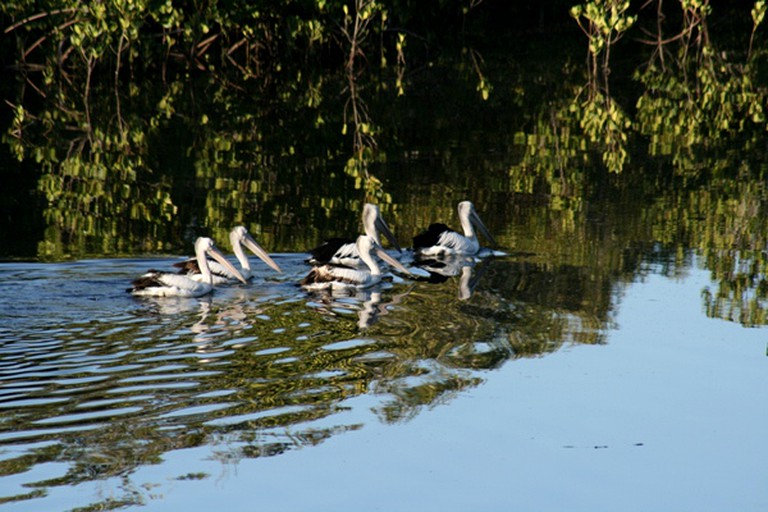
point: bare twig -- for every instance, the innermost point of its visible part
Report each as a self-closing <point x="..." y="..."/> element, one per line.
<point x="203" y="45"/>
<point x="237" y="45"/>
<point x="34" y="45"/>
<point x="37" y="17"/>
<point x="36" y="88"/>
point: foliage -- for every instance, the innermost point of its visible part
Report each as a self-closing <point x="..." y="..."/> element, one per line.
<point x="694" y="98"/>
<point x="605" y="22"/>
<point x="149" y="123"/>
<point x="244" y="49"/>
<point x="250" y="377"/>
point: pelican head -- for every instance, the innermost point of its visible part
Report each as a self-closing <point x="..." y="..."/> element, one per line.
<point x="373" y="222"/>
<point x="469" y="218"/>
<point x="204" y="246"/>
<point x="368" y="249"/>
<point x="240" y="236"/>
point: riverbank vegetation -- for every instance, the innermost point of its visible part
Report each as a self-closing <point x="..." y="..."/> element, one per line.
<point x="129" y="126"/>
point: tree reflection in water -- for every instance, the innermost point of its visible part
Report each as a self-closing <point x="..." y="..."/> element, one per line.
<point x="255" y="371"/>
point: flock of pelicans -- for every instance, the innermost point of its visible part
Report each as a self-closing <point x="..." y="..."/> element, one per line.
<point x="338" y="263"/>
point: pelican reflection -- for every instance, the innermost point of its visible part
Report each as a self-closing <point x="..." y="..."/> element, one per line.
<point x="369" y="304"/>
<point x="445" y="268"/>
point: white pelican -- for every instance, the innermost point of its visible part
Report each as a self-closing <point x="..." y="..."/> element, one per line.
<point x="168" y="284"/>
<point x="238" y="237"/>
<point x="339" y="277"/>
<point x="439" y="240"/>
<point x="343" y="251"/>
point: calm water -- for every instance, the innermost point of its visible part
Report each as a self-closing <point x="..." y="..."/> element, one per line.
<point x="614" y="360"/>
<point x="479" y="393"/>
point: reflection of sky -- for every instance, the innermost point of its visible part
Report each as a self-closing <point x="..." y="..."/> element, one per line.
<point x="669" y="415"/>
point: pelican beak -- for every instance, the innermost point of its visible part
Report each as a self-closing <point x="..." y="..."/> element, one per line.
<point x="381" y="253"/>
<point x="214" y="253"/>
<point x="256" y="249"/>
<point x="475" y="219"/>
<point x="382" y="226"/>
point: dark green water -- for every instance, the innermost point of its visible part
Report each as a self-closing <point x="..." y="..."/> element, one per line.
<point x="409" y="395"/>
<point x="612" y="360"/>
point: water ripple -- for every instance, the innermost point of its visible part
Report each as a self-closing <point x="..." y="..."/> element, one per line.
<point x="83" y="418"/>
<point x="265" y="370"/>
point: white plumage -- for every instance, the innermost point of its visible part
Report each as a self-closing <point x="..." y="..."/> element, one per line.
<point x="238" y="237"/>
<point x="440" y="241"/>
<point x="168" y="284"/>
<point x="343" y="251"/>
<point x="340" y="277"/>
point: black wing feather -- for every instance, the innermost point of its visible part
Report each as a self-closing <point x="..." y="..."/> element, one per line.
<point x="145" y="281"/>
<point x="325" y="251"/>
<point x="188" y="267"/>
<point x="430" y="236"/>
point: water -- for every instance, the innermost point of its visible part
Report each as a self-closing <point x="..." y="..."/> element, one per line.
<point x="411" y="396"/>
<point x="614" y="360"/>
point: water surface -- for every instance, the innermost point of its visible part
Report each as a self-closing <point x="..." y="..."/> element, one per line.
<point x="614" y="360"/>
<point x="409" y="396"/>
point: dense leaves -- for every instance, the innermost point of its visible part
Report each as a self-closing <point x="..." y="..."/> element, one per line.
<point x="144" y="123"/>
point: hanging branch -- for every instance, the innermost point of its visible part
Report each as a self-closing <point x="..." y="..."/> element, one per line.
<point x="758" y="14"/>
<point x="37" y="17"/>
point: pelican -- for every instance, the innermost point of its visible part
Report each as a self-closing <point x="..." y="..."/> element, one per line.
<point x="339" y="277"/>
<point x="168" y="284"/>
<point x="238" y="237"/>
<point x="439" y="240"/>
<point x="343" y="251"/>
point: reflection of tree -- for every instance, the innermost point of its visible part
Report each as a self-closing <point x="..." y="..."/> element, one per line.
<point x="95" y="187"/>
<point x="700" y="107"/>
<point x="124" y="164"/>
<point x="269" y="153"/>
<point x="252" y="376"/>
<point x="87" y="92"/>
<point x="695" y="96"/>
<point x="742" y="290"/>
<point x="723" y="222"/>
<point x="367" y="304"/>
